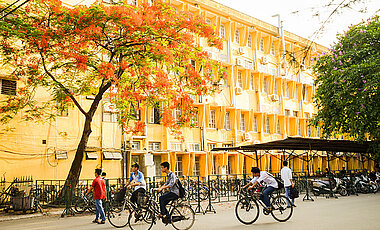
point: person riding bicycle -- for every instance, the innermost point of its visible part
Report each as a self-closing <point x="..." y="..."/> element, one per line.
<point x="173" y="193"/>
<point x="138" y="182"/>
<point x="270" y="181"/>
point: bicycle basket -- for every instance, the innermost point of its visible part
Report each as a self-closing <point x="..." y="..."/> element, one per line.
<point x="142" y="199"/>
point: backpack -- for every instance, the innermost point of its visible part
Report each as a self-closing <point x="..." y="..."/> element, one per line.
<point x="182" y="191"/>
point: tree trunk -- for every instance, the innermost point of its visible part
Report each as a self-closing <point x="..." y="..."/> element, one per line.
<point x="76" y="166"/>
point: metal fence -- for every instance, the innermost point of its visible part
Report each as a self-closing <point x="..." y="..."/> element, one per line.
<point x="199" y="191"/>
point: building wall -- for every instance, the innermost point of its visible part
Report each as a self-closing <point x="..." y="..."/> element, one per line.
<point x="258" y="89"/>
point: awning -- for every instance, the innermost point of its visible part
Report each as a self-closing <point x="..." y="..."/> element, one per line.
<point x="112" y="155"/>
<point x="91" y="155"/>
<point x="299" y="143"/>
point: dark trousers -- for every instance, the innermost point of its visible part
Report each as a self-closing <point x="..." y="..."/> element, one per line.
<point x="265" y="195"/>
<point x="164" y="200"/>
<point x="135" y="194"/>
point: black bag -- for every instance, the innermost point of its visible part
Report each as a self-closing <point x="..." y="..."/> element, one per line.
<point x="293" y="193"/>
<point x="182" y="191"/>
<point x="280" y="184"/>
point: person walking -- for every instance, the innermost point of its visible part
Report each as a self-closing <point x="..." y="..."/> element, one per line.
<point x="173" y="193"/>
<point x="137" y="181"/>
<point x="286" y="176"/>
<point x="99" y="187"/>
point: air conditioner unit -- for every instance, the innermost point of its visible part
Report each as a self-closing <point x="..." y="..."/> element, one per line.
<point x="274" y="97"/>
<point x="239" y="62"/>
<point x="247" y="137"/>
<point x="241" y="50"/>
<point x="238" y="90"/>
<point x="264" y="60"/>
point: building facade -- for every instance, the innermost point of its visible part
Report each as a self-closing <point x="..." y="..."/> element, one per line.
<point x="262" y="99"/>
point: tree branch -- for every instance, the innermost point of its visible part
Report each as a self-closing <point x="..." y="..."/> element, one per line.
<point x="63" y="87"/>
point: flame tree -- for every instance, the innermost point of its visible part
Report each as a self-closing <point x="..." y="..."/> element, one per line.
<point x="137" y="56"/>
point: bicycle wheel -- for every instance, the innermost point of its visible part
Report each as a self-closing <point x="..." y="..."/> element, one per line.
<point x="247" y="210"/>
<point x="182" y="217"/>
<point x="119" y="216"/>
<point x="137" y="219"/>
<point x="280" y="210"/>
<point x="79" y="205"/>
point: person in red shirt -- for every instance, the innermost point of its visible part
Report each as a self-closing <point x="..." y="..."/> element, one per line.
<point x="99" y="187"/>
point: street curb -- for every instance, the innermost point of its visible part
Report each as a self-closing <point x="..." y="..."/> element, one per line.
<point x="26" y="216"/>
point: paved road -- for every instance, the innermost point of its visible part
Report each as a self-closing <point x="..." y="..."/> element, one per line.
<point x="356" y="213"/>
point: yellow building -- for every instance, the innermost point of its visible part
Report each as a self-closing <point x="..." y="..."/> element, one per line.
<point x="261" y="100"/>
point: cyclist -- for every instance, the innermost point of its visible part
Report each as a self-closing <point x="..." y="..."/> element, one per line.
<point x="173" y="193"/>
<point x="138" y="182"/>
<point x="270" y="181"/>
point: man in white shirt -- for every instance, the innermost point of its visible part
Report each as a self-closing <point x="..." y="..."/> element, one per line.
<point x="137" y="181"/>
<point x="269" y="180"/>
<point x="286" y="176"/>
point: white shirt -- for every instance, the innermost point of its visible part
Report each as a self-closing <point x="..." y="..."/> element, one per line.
<point x="286" y="175"/>
<point x="267" y="178"/>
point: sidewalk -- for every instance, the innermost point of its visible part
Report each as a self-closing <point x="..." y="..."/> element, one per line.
<point x="18" y="216"/>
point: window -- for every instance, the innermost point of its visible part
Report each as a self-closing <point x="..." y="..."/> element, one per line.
<point x="287" y="112"/>
<point x="112" y="155"/>
<point x="265" y="85"/>
<point x="211" y="146"/>
<point x="157" y="164"/>
<point x="242" y="123"/>
<point x="295" y="113"/>
<point x="318" y="132"/>
<point x="178" y="166"/>
<point x="275" y="90"/>
<point x="272" y="50"/>
<point x="132" y="2"/>
<point x="214" y="167"/>
<point x="212" y="121"/>
<point x="273" y="70"/>
<point x="306" y="115"/>
<point x="63" y="111"/>
<point x="177" y="114"/>
<point x="267" y="125"/>
<point x="252" y="82"/>
<point x="8" y="87"/>
<point x="244" y="165"/>
<point x="299" y="129"/>
<point x="255" y="124"/>
<point x="135" y="145"/>
<point x="305" y="94"/>
<point x="240" y="79"/>
<point x="109" y="117"/>
<point x="296" y="92"/>
<point x="195" y="120"/>
<point x="197" y="167"/>
<point x="193" y="64"/>
<point x="154" y="146"/>
<point x="249" y="41"/>
<point x="194" y="147"/>
<point x="227" y="121"/>
<point x="222" y="31"/>
<point x="309" y="130"/>
<point x="261" y="48"/>
<point x="208" y="21"/>
<point x="278" y="127"/>
<point x="155" y="115"/>
<point x="237" y="37"/>
<point x="176" y="146"/>
<point x="287" y="90"/>
<point x="231" y="161"/>
<point x="135" y="159"/>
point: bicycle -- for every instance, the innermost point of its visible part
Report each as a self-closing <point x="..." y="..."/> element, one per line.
<point x="181" y="215"/>
<point x="83" y="203"/>
<point x="247" y="208"/>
